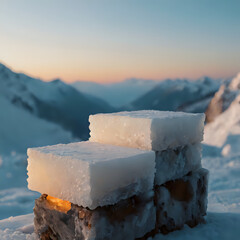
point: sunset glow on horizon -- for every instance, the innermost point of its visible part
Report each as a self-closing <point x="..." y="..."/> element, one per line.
<point x="109" y="41"/>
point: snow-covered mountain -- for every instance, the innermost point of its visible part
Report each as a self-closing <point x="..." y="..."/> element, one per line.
<point x="224" y="131"/>
<point x="53" y="101"/>
<point x="117" y="94"/>
<point x="223" y="98"/>
<point x="20" y="129"/>
<point x="179" y="94"/>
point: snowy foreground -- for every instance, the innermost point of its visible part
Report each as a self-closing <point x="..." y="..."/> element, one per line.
<point x="222" y="222"/>
<point x="222" y="159"/>
<point x="219" y="226"/>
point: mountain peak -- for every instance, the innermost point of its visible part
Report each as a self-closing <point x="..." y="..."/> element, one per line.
<point x="4" y="67"/>
<point x="57" y="80"/>
<point x="235" y="83"/>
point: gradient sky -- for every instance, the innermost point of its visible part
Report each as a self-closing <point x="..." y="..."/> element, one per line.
<point x="107" y="41"/>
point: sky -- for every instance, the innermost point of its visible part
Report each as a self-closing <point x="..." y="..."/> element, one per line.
<point x="108" y="41"/>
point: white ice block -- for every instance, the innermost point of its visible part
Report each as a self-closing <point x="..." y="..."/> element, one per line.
<point x="149" y="130"/>
<point x="90" y="174"/>
<point x="172" y="164"/>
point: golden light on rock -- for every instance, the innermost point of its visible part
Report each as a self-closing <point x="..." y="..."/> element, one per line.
<point x="58" y="204"/>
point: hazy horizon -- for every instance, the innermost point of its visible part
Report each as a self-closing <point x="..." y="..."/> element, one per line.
<point x="112" y="41"/>
<point x="111" y="82"/>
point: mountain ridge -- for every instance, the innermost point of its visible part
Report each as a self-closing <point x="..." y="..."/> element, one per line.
<point x="53" y="101"/>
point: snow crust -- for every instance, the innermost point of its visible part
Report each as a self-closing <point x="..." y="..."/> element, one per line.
<point x="148" y="130"/>
<point x="175" y="163"/>
<point x="18" y="228"/>
<point x="221" y="226"/>
<point x="90" y="174"/>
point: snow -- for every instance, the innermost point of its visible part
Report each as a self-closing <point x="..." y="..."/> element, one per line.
<point x="223" y="217"/>
<point x="177" y="95"/>
<point x="235" y="83"/>
<point x="117" y="94"/>
<point x="172" y="164"/>
<point x="20" y="129"/>
<point x="53" y="101"/>
<point x="15" y="198"/>
<point x="221" y="226"/>
<point x="15" y="201"/>
<point x="150" y="130"/>
<point x="17" y="228"/>
<point x="222" y="220"/>
<point x="90" y="174"/>
<point x="18" y="84"/>
<point x="224" y="132"/>
<point x="223" y="98"/>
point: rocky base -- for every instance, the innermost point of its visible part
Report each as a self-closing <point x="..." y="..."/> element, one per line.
<point x="183" y="201"/>
<point x="129" y="219"/>
<point x="167" y="209"/>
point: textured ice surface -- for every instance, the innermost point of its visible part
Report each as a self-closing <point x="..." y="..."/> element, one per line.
<point x="129" y="219"/>
<point x="175" y="163"/>
<point x="90" y="174"/>
<point x="182" y="201"/>
<point x="151" y="130"/>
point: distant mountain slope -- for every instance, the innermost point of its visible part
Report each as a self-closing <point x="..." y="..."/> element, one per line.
<point x="54" y="101"/>
<point x="19" y="129"/>
<point x="117" y="94"/>
<point x="224" y="131"/>
<point x="223" y="98"/>
<point x="178" y="94"/>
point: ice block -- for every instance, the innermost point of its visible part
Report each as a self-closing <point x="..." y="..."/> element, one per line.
<point x="148" y="130"/>
<point x="175" y="163"/>
<point x="90" y="174"/>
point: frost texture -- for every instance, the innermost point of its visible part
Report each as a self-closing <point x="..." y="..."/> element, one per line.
<point x="175" y="163"/>
<point x="90" y="174"/>
<point x="150" y="130"/>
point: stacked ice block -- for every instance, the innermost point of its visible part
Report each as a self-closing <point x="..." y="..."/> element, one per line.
<point x="139" y="174"/>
